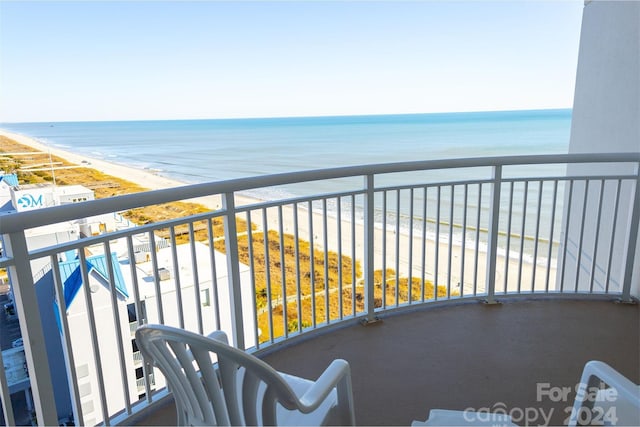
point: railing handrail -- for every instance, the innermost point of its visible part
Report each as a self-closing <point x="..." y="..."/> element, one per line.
<point x="18" y="221"/>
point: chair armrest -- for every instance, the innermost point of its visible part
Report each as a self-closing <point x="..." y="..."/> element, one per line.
<point x="595" y="372"/>
<point x="337" y="372"/>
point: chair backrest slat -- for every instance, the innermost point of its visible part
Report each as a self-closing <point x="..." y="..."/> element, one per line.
<point x="199" y="395"/>
<point x="228" y="376"/>
<point x="250" y="384"/>
<point x="181" y="388"/>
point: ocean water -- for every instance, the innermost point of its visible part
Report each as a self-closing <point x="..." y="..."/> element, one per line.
<point x="195" y="151"/>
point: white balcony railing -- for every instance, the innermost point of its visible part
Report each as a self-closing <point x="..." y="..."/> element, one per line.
<point x="384" y="237"/>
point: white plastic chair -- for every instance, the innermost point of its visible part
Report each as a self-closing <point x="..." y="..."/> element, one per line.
<point x="243" y="390"/>
<point x="618" y="404"/>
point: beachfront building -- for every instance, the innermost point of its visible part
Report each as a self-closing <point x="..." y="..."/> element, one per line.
<point x="437" y="352"/>
<point x="117" y="322"/>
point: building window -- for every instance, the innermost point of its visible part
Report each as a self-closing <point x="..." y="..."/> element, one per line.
<point x="204" y="298"/>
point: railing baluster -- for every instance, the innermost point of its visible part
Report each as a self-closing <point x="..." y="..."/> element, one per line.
<point x="534" y="266"/>
<point x="368" y="243"/>
<point x="463" y="248"/>
<point x="507" y="257"/>
<point x="196" y="277"/>
<point x="214" y="272"/>
<point x="410" y="267"/>
<point x="613" y="233"/>
<point x="566" y="234"/>
<point x="118" y="326"/>
<point x="312" y="270"/>
<point x="633" y="241"/>
<point x="339" y="236"/>
<point x="595" y="245"/>
<point x="325" y="245"/>
<point x="156" y="278"/>
<point x="397" y="248"/>
<point x="283" y="277"/>
<point x="252" y="273"/>
<point x="67" y="346"/>
<point x="423" y="243"/>
<point x="267" y="272"/>
<point x="477" y="243"/>
<point x="492" y="233"/>
<point x="296" y="248"/>
<point x="95" y="343"/>
<point x="583" y="214"/>
<point x="522" y="234"/>
<point x="353" y="254"/>
<point x="24" y="292"/>
<point x="384" y="250"/>
<point x="436" y="242"/>
<point x="553" y="222"/>
<point x="233" y="269"/>
<point x="141" y="316"/>
<point x="176" y="275"/>
<point x="452" y="195"/>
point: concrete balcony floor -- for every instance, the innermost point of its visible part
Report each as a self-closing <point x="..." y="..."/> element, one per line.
<point x="468" y="355"/>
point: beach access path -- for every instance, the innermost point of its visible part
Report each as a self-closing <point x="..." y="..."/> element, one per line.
<point x="408" y="248"/>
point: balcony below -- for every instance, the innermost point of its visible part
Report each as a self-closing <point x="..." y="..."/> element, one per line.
<point x="515" y="356"/>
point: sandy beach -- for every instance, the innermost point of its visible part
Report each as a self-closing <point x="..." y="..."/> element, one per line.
<point x="410" y="258"/>
<point x="143" y="178"/>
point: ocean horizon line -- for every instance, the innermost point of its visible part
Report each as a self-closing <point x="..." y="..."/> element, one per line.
<point x="443" y="114"/>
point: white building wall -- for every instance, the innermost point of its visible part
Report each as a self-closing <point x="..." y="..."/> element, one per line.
<point x="84" y="356"/>
<point x="72" y="194"/>
<point x="606" y="118"/>
<point x="606" y="106"/>
<point x="190" y="306"/>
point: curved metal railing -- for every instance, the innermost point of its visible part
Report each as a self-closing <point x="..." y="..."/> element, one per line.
<point x="341" y="244"/>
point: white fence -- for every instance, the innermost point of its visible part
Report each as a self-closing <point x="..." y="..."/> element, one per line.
<point x="385" y="237"/>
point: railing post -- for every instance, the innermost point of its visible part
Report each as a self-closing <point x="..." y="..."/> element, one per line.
<point x="233" y="269"/>
<point x="369" y="251"/>
<point x="633" y="242"/>
<point x="26" y="302"/>
<point x="492" y="234"/>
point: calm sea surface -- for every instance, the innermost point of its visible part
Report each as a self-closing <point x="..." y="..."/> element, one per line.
<point x="195" y="151"/>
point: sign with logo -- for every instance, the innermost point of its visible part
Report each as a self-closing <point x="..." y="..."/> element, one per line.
<point x="30" y="201"/>
<point x="26" y="200"/>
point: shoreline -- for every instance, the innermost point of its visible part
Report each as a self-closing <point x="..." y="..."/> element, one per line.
<point x="144" y="178"/>
<point x="137" y="176"/>
<point x="407" y="262"/>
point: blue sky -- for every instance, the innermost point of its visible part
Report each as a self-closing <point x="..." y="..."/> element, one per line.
<point x="89" y="60"/>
